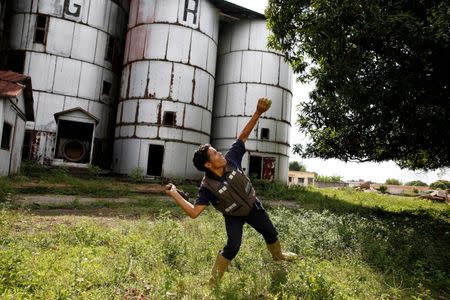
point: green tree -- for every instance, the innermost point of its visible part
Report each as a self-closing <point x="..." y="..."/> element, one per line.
<point x="296" y="166"/>
<point x="381" y="72"/>
<point x="416" y="183"/>
<point x="440" y="184"/>
<point x="393" y="181"/>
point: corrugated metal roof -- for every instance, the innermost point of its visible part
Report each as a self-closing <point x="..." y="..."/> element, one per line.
<point x="236" y="10"/>
<point x="11" y="84"/>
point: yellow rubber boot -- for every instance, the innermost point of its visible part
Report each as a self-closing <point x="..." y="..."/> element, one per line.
<point x="220" y="266"/>
<point x="277" y="254"/>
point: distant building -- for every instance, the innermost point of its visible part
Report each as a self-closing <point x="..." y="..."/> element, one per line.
<point x="355" y="183"/>
<point x="16" y="107"/>
<point x="301" y="178"/>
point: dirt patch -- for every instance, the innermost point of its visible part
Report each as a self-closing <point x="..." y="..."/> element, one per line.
<point x="62" y="199"/>
<point x="36" y="222"/>
<point x="278" y="203"/>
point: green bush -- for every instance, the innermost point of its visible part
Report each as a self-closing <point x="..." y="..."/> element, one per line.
<point x="416" y="183"/>
<point x="383" y="189"/>
<point x="440" y="184"/>
<point x="137" y="174"/>
<point x="94" y="171"/>
<point x="393" y="181"/>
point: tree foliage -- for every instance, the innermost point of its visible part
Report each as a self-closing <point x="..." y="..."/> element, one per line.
<point x="296" y="166"/>
<point x="393" y="181"/>
<point x="440" y="184"/>
<point x="416" y="183"/>
<point x="381" y="71"/>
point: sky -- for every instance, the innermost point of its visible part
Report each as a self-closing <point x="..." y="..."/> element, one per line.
<point x="375" y="172"/>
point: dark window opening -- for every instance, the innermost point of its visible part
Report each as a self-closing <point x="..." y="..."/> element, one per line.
<point x="255" y="167"/>
<point x="155" y="160"/>
<point x="110" y="49"/>
<point x="106" y="88"/>
<point x="40" y="33"/>
<point x="265" y="133"/>
<point x="74" y="141"/>
<point x="14" y="61"/>
<point x="6" y="136"/>
<point x="170" y="118"/>
<point x="27" y="142"/>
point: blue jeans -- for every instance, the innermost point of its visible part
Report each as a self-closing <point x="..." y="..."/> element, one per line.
<point x="258" y="219"/>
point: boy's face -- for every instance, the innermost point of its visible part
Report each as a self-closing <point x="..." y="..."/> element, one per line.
<point x="216" y="159"/>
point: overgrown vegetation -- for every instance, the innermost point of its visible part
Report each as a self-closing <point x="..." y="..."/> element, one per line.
<point x="441" y="184"/>
<point x="354" y="245"/>
<point x="393" y="181"/>
<point x="323" y="178"/>
<point x="416" y="183"/>
<point x="137" y="174"/>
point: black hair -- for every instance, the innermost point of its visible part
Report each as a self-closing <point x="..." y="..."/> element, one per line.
<point x="201" y="157"/>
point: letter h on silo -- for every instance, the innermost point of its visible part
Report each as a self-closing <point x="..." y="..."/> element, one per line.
<point x="193" y="11"/>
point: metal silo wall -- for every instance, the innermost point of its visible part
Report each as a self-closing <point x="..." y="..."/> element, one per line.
<point x="246" y="71"/>
<point x="169" y="67"/>
<point x="68" y="71"/>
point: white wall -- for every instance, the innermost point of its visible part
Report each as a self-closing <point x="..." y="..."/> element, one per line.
<point x="10" y="160"/>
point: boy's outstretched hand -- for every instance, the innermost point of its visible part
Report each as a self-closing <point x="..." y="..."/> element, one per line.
<point x="263" y="105"/>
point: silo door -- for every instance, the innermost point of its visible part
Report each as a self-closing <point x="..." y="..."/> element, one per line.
<point x="255" y="167"/>
<point x="155" y="160"/>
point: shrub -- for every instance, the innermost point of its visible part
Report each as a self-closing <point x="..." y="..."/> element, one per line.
<point x="393" y="181"/>
<point x="416" y="183"/>
<point x="94" y="171"/>
<point x="137" y="174"/>
<point x="440" y="184"/>
<point x="383" y="189"/>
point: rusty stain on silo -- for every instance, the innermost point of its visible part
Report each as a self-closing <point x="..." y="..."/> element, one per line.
<point x="177" y="37"/>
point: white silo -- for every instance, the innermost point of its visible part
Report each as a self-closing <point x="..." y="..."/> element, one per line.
<point x="167" y="87"/>
<point x="72" y="49"/>
<point x="246" y="71"/>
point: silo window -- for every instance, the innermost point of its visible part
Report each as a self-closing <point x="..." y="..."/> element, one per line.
<point x="170" y="118"/>
<point x="40" y="33"/>
<point x="6" y="136"/>
<point x="110" y="49"/>
<point x="265" y="133"/>
<point x="106" y="88"/>
<point x="15" y="61"/>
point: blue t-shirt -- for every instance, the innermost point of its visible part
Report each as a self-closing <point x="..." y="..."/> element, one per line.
<point x="234" y="159"/>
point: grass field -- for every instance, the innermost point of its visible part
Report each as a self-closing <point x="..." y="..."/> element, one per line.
<point x="354" y="246"/>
